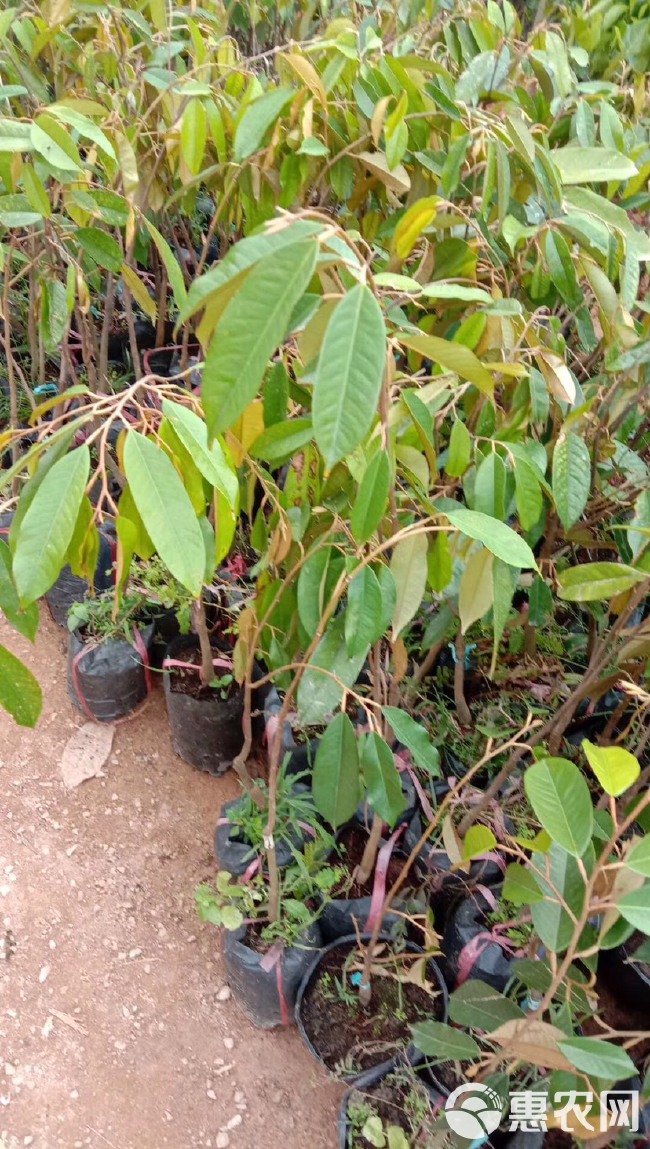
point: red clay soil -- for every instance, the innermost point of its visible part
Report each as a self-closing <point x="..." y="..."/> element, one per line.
<point x="116" y="1029"/>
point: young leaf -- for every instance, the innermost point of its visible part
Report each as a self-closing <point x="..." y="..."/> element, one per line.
<point x="20" y="693"/>
<point x="460" y="450"/>
<point x="194" y="135"/>
<point x="350" y="372"/>
<point x="560" y="797"/>
<point x="166" y="511"/>
<point x="251" y="327"/>
<point x="371" y="501"/>
<point x="500" y="539"/>
<point x="520" y="886"/>
<point x="476" y="589"/>
<point x="571" y="478"/>
<point x="638" y="858"/>
<point x="335" y="780"/>
<point x="211" y="461"/>
<point x="414" y="736"/>
<point x="615" y="768"/>
<point x="591" y="582"/>
<point x="47" y="528"/>
<point x="440" y="567"/>
<point x="408" y="567"/>
<point x="381" y="779"/>
<point x="478" y="840"/>
<point x="363" y="615"/>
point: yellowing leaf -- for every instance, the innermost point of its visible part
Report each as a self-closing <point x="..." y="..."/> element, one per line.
<point x="476" y="588"/>
<point x="615" y="768"/>
<point x="452" y="357"/>
<point x="559" y="379"/>
<point x="397" y="180"/>
<point x="307" y="73"/>
<point x="412" y="224"/>
<point x="478" y="840"/>
<point x="139" y="292"/>
<point x="245" y="431"/>
<point x="537" y="1042"/>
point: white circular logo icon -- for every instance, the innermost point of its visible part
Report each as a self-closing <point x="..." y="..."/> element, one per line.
<point x="474" y="1111"/>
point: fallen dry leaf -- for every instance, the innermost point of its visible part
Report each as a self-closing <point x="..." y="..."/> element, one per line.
<point x="85" y="753"/>
<point x="68" y="1020"/>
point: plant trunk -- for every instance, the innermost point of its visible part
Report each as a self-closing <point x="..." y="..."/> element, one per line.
<point x="367" y="864"/>
<point x="462" y="709"/>
<point x="200" y="625"/>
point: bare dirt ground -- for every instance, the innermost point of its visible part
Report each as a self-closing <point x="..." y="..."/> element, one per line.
<point x="113" y="1030"/>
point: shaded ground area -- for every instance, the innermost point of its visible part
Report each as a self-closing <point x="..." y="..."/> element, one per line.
<point x="113" y="1029"/>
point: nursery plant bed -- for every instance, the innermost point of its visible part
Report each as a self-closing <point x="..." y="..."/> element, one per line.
<point x="235" y="854"/>
<point x="345" y="1036"/>
<point x="350" y="902"/>
<point x="398" y="1098"/>
<point x="205" y="727"/>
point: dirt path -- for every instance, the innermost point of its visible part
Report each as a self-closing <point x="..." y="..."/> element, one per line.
<point x="96" y="888"/>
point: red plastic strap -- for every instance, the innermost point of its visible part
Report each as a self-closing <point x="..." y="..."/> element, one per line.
<point x="379" y="884"/>
<point x="75" y="682"/>
<point x="284" y="1012"/>
<point x="144" y="655"/>
<point x="470" y="954"/>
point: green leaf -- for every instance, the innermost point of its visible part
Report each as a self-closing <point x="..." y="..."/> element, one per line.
<point x="174" y="273"/>
<point x="635" y="908"/>
<point x="257" y="119"/>
<point x="335" y="779"/>
<point x="478" y="1006"/>
<point x="194" y="135"/>
<point x="166" y="511"/>
<point x="319" y="695"/>
<point x="371" y="501"/>
<point x="408" y="567"/>
<point x="210" y="460"/>
<point x="562" y="270"/>
<point x="100" y="246"/>
<point x="500" y="539"/>
<point x="282" y="440"/>
<point x="598" y="1058"/>
<point x="478" y="840"/>
<point x="48" y="525"/>
<point x="615" y="768"/>
<point x="591" y="582"/>
<point x="14" y="136"/>
<point x="476" y="588"/>
<point x="452" y="357"/>
<point x="316" y="581"/>
<point x="363" y="614"/>
<point x="460" y="450"/>
<point x="528" y="495"/>
<point x="84" y="126"/>
<point x="444" y="1042"/>
<point x="382" y="779"/>
<point x="24" y="621"/>
<point x="20" y="693"/>
<point x="349" y="376"/>
<point x="592" y="165"/>
<point x="520" y="886"/>
<point x="504" y="583"/>
<point x="455" y="291"/>
<point x="540" y="602"/>
<point x="560" y="797"/>
<point x="638" y="858"/>
<point x="53" y="143"/>
<point x="490" y="486"/>
<point x="35" y="191"/>
<point x="440" y="566"/>
<point x="552" y="923"/>
<point x="414" y="736"/>
<point x="571" y="478"/>
<point x="251" y="327"/>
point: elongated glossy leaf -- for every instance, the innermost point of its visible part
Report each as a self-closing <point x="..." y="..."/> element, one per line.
<point x="475" y="596"/>
<point x="53" y="143"/>
<point x="592" y="165"/>
<point x="408" y="567"/>
<point x="443" y="1042"/>
<point x="210" y="460"/>
<point x="571" y="478"/>
<point x="560" y="797"/>
<point x="166" y="511"/>
<point x="257" y="119"/>
<point x="316" y="581"/>
<point x="591" y="582"/>
<point x="371" y="501"/>
<point x="250" y="329"/>
<point x="479" y="1005"/>
<point x="350" y="372"/>
<point x="48" y="525"/>
<point x="100" y="246"/>
<point x="490" y="486"/>
<point x="504" y="582"/>
<point x="335" y="780"/>
<point x="460" y="450"/>
<point x="615" y="768"/>
<point x="414" y="736"/>
<point x="528" y="495"/>
<point x="363" y="615"/>
<point x="551" y="921"/>
<point x="598" y="1058"/>
<point x="320" y="694"/>
<point x="500" y="539"/>
<point x="382" y="780"/>
<point x="194" y="135"/>
<point x="635" y="908"/>
<point x="24" y="621"/>
<point x="452" y="357"/>
<point x="174" y="273"/>
<point x="278" y="442"/>
<point x="20" y="693"/>
<point x="520" y="886"/>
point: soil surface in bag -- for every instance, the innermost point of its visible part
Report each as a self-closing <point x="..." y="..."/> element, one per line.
<point x="392" y="1099"/>
<point x="206" y="729"/>
<point x="347" y="1036"/>
<point x="267" y="996"/>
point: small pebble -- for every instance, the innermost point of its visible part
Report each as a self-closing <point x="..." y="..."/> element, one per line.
<point x="224" y="993"/>
<point x="234" y="1121"/>
<point x="223" y="1140"/>
<point x="229" y="1042"/>
<point x="44" y="973"/>
<point x="212" y="1095"/>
